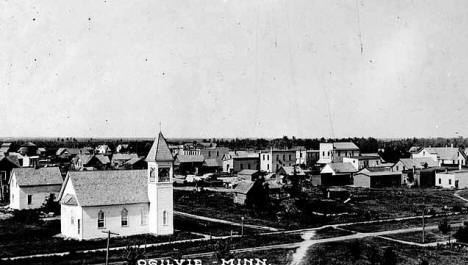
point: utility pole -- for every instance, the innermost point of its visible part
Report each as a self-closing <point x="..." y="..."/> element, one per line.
<point x="242" y="226"/>
<point x="108" y="239"/>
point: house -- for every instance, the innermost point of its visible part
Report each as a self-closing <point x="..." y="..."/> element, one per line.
<point x="364" y="160"/>
<point x="212" y="165"/>
<point x="334" y="152"/>
<point x="376" y="178"/>
<point x="427" y="176"/>
<point x="189" y="164"/>
<point x="235" y="161"/>
<point x="246" y="192"/>
<point x="273" y="159"/>
<point x="30" y="187"/>
<point x="5" y="148"/>
<point x="118" y="159"/>
<point x="457" y="179"/>
<point x="28" y="149"/>
<point x="103" y="149"/>
<point x="25" y="160"/>
<point x="411" y="167"/>
<point x="301" y="155"/>
<point x="312" y="156"/>
<point x="445" y="156"/>
<point x="7" y="164"/>
<point x="249" y="174"/>
<point x="122" y="148"/>
<point x="67" y="153"/>
<point x="90" y="162"/>
<point x="337" y="174"/>
<point x="127" y="202"/>
<point x="215" y="153"/>
<point x="136" y="163"/>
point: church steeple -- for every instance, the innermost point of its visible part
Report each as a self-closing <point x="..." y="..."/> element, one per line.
<point x="160" y="151"/>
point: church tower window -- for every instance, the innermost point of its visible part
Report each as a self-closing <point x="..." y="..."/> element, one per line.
<point x="124" y="217"/>
<point x="100" y="222"/>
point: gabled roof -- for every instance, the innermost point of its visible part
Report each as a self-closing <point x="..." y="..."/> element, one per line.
<point x="342" y="167"/>
<point x="370" y="173"/>
<point x="418" y="162"/>
<point x="13" y="160"/>
<point x="159" y="152"/>
<point x="84" y="158"/>
<point x="103" y="159"/>
<point x="345" y="146"/>
<point x="414" y="149"/>
<point x="38" y="177"/>
<point x="244" y="187"/>
<point x="108" y="187"/>
<point x="69" y="199"/>
<point x="134" y="160"/>
<point x="445" y="153"/>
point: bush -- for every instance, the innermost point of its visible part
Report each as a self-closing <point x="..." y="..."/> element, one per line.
<point x="50" y="205"/>
<point x="28" y="217"/>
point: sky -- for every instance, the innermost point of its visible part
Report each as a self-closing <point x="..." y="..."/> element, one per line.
<point x="244" y="68"/>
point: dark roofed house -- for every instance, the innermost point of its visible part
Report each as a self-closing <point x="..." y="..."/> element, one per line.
<point x="377" y="179"/>
<point x="118" y="159"/>
<point x="7" y="164"/>
<point x="249" y="174"/>
<point x="212" y="165"/>
<point x="30" y="187"/>
<point x="136" y="163"/>
<point x="337" y="174"/>
<point x="189" y="164"/>
<point x="90" y="162"/>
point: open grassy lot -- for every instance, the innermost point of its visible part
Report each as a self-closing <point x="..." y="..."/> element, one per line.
<point x="430" y="236"/>
<point x="175" y="250"/>
<point x="329" y="232"/>
<point x="41" y="238"/>
<point x="366" y="204"/>
<point x="209" y="228"/>
<point x="393" y="225"/>
<point x="371" y="251"/>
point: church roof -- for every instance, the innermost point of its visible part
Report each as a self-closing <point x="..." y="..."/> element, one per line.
<point x="160" y="152"/>
<point x="107" y="187"/>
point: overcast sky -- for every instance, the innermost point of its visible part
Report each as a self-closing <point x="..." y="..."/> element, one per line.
<point x="234" y="68"/>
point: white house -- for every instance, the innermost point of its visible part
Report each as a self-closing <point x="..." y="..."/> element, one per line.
<point x="127" y="202"/>
<point x="30" y="187"/>
<point x="334" y="152"/>
<point x="444" y="155"/>
<point x="452" y="179"/>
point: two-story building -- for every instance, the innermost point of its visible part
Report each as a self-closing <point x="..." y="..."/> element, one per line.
<point x="273" y="159"/>
<point x="334" y="152"/>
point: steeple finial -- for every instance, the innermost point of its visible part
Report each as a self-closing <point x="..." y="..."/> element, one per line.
<point x="160" y="127"/>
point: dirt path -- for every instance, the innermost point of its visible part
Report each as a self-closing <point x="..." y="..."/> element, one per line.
<point x="204" y="218"/>
<point x="457" y="194"/>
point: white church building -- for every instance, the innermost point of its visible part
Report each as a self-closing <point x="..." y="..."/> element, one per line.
<point x="126" y="202"/>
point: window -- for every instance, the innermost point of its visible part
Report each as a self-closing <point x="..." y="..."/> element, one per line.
<point x="78" y="226"/>
<point x="209" y="153"/>
<point x="164" y="218"/>
<point x="242" y="166"/>
<point x="268" y="157"/>
<point x="144" y="216"/>
<point x="217" y="153"/>
<point x="289" y="157"/>
<point x="72" y="219"/>
<point x="263" y="157"/>
<point x="124" y="217"/>
<point x="323" y="153"/>
<point x="248" y="166"/>
<point x="3" y="174"/>
<point x="163" y="174"/>
<point x="450" y="182"/>
<point x="29" y="199"/>
<point x="152" y="175"/>
<point x="284" y="157"/>
<point x="277" y="157"/>
<point x="300" y="155"/>
<point x="100" y="221"/>
<point x="268" y="167"/>
<point x="440" y="181"/>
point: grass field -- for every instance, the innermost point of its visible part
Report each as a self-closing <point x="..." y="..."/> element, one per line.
<point x="371" y="251"/>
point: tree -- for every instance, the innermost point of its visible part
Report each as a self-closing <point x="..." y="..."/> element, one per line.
<point x="51" y="205"/>
<point x="223" y="250"/>
<point x="462" y="234"/>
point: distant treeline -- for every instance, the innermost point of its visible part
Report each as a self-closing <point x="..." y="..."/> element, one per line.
<point x="390" y="150"/>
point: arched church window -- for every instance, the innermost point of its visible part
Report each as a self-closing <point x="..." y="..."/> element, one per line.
<point x="100" y="222"/>
<point x="124" y="217"/>
<point x="164" y="217"/>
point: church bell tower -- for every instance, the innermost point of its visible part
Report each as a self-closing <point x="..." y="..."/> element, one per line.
<point x="160" y="189"/>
